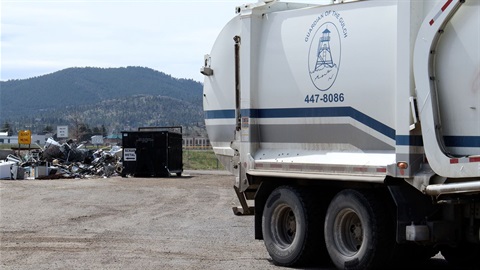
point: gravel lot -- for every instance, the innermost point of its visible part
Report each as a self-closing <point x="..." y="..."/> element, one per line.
<point x="129" y="223"/>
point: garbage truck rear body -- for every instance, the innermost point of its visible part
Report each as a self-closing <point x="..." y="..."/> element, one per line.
<point x="352" y="129"/>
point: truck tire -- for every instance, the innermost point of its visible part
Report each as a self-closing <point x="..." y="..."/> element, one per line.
<point x="356" y="231"/>
<point x="291" y="230"/>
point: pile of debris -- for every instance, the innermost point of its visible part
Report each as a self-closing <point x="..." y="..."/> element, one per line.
<point x="66" y="160"/>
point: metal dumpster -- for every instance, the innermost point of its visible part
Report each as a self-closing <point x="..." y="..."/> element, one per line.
<point x="152" y="152"/>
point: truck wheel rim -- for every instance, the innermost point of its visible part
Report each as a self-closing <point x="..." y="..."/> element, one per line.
<point x="348" y="234"/>
<point x="285" y="226"/>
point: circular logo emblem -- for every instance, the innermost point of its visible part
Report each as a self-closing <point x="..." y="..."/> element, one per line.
<point x="324" y="56"/>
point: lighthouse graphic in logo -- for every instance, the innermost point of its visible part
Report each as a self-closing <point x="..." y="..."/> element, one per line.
<point x="324" y="53"/>
<point x="324" y="56"/>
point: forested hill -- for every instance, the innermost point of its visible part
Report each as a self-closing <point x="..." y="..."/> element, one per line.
<point x="112" y="97"/>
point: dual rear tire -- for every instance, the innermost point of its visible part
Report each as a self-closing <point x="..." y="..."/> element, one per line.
<point x="355" y="232"/>
<point x="290" y="227"/>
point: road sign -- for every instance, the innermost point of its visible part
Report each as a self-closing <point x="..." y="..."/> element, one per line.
<point x="24" y="137"/>
<point x="62" y="131"/>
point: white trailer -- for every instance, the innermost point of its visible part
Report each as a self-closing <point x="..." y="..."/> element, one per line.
<point x="352" y="128"/>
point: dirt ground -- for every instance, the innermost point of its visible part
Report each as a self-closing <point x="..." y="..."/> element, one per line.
<point x="129" y="223"/>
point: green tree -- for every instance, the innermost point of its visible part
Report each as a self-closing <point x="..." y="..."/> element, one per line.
<point x="85" y="131"/>
<point x="7" y="128"/>
<point x="104" y="131"/>
<point x="48" y="129"/>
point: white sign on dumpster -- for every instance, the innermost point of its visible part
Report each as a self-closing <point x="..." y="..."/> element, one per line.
<point x="62" y="131"/>
<point x="129" y="154"/>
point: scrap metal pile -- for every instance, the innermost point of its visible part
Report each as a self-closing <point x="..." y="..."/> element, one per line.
<point x="66" y="160"/>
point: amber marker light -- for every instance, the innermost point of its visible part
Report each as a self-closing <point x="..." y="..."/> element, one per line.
<point x="402" y="165"/>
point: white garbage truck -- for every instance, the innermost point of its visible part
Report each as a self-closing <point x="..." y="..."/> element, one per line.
<point x="352" y="128"/>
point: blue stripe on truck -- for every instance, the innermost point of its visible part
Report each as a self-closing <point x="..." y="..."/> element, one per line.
<point x="306" y="113"/>
<point x="462" y="141"/>
<point x="450" y="141"/>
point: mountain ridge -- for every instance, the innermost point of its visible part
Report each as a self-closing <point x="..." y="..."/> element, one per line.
<point x="148" y="97"/>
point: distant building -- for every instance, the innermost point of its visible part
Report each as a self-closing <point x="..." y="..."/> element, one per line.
<point x="196" y="142"/>
<point x="39" y="139"/>
<point x="5" y="139"/>
<point x="97" y="140"/>
<point x="113" y="139"/>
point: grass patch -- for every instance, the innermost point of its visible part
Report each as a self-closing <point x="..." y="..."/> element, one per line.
<point x="192" y="159"/>
<point x="7" y="146"/>
<point x="201" y="160"/>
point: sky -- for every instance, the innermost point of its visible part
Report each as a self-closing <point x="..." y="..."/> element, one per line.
<point x="39" y="37"/>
